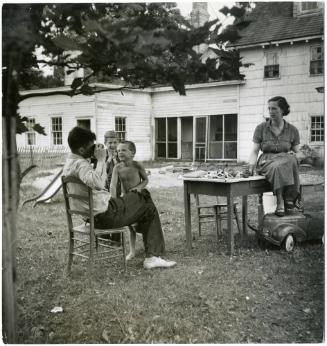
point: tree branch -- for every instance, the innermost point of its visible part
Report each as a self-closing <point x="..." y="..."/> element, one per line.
<point x="72" y="93"/>
<point x="62" y="64"/>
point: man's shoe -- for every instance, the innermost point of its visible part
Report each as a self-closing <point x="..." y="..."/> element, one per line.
<point x="157" y="262"/>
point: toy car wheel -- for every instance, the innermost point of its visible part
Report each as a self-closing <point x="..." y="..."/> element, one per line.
<point x="289" y="243"/>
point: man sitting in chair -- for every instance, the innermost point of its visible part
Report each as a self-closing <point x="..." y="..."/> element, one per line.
<point x="133" y="207"/>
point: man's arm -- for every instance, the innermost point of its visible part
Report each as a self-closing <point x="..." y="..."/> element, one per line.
<point x="94" y="178"/>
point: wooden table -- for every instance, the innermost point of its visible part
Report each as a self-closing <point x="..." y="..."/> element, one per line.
<point x="230" y="188"/>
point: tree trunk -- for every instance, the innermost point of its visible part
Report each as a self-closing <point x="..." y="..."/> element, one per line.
<point x="10" y="191"/>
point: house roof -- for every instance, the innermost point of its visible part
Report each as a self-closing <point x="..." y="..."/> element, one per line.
<point x="274" y="21"/>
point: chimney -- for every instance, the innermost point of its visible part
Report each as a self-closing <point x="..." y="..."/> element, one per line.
<point x="199" y="14"/>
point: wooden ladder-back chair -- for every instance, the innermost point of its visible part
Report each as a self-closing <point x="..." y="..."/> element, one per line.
<point x="85" y="240"/>
<point x="216" y="213"/>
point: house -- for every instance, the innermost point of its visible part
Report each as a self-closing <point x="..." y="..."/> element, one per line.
<point x="284" y="41"/>
<point x="216" y="120"/>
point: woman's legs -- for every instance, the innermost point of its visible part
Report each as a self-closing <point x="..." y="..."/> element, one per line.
<point x="280" y="209"/>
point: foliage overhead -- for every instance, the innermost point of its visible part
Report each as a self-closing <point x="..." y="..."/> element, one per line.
<point x="135" y="44"/>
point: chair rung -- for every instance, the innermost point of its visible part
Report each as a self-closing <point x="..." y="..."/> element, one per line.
<point x="78" y="212"/>
<point x="81" y="241"/>
<point x="79" y="197"/>
<point x="98" y="231"/>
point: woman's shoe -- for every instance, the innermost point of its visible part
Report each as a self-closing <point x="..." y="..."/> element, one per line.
<point x="280" y="212"/>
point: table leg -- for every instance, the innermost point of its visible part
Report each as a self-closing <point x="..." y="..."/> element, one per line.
<point x="187" y="213"/>
<point x="230" y="235"/>
<point x="245" y="215"/>
<point x="260" y="211"/>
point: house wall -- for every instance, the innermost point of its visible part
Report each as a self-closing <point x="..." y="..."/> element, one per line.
<point x="210" y="99"/>
<point x="42" y="108"/>
<point x="135" y="106"/>
<point x="294" y="83"/>
<point x="101" y="109"/>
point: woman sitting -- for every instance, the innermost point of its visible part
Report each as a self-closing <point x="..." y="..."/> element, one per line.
<point x="279" y="142"/>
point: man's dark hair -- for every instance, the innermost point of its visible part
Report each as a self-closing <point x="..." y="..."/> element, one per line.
<point x="131" y="146"/>
<point x="79" y="137"/>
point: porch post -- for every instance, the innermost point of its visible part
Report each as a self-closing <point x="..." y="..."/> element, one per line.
<point x="194" y="131"/>
<point x="179" y="138"/>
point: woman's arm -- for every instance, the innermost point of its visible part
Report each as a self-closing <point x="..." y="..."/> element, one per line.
<point x="144" y="178"/>
<point x="113" y="183"/>
<point x="296" y="151"/>
<point x="253" y="157"/>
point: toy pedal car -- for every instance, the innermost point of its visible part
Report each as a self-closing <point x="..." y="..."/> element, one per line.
<point x="287" y="230"/>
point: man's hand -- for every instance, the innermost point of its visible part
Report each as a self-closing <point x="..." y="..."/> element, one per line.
<point x="100" y="152"/>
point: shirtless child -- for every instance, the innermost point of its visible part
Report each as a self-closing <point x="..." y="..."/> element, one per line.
<point x="132" y="176"/>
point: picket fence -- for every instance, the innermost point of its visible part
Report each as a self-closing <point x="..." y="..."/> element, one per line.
<point x="43" y="157"/>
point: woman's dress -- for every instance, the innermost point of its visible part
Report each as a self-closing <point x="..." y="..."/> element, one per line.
<point x="276" y="163"/>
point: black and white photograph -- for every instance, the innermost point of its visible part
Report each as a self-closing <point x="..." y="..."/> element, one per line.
<point x="163" y="172"/>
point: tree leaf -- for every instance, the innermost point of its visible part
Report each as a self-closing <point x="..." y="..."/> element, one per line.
<point x="21" y="127"/>
<point x="65" y="43"/>
<point x="77" y="82"/>
<point x="39" y="129"/>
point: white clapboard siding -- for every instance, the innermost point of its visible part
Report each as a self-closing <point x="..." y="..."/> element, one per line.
<point x="43" y="108"/>
<point x="135" y="106"/>
<point x="199" y="101"/>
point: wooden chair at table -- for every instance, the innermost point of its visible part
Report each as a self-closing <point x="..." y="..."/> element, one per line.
<point x="93" y="238"/>
<point x="217" y="212"/>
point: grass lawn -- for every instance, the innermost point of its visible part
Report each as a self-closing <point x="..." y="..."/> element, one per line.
<point x="256" y="296"/>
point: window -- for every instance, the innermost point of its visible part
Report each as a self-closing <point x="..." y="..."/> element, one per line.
<point x="317" y="60"/>
<point x="30" y="134"/>
<point x="166" y="138"/>
<point x="56" y="130"/>
<point x="223" y="136"/>
<point x="120" y="128"/>
<point x="84" y="123"/>
<point x="307" y="6"/>
<point x="272" y="67"/>
<point x="317" y="129"/>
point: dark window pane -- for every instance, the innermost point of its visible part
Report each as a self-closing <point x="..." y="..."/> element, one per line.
<point x="84" y="123"/>
<point x="172" y="129"/>
<point x="161" y="150"/>
<point x="230" y="150"/>
<point x="317" y="67"/>
<point x="172" y="150"/>
<point x="200" y="124"/>
<point x="231" y="127"/>
<point x="216" y="128"/>
<point x="271" y="71"/>
<point x="216" y="150"/>
<point x="161" y="129"/>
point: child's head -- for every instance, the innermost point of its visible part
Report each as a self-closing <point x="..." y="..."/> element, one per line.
<point x="111" y="140"/>
<point x="126" y="150"/>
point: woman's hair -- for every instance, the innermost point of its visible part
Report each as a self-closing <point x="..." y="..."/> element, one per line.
<point x="79" y="137"/>
<point x="131" y="146"/>
<point x="282" y="104"/>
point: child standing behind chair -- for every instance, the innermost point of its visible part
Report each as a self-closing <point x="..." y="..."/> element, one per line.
<point x="133" y="178"/>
